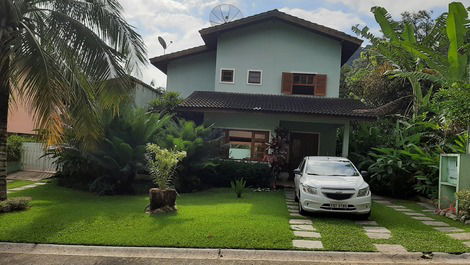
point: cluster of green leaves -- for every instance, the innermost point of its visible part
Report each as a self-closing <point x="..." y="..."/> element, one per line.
<point x="463" y="197"/>
<point x="404" y="154"/>
<point x="238" y="186"/>
<point x="162" y="163"/>
<point x="14" y="144"/>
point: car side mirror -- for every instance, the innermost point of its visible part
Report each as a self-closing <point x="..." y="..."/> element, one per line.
<point x="364" y="173"/>
<point x="297" y="171"/>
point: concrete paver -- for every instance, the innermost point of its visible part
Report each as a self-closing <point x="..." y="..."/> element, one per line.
<point x="306" y="234"/>
<point x="307" y="244"/>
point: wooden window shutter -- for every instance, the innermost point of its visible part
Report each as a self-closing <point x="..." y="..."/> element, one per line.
<point x="287" y="81"/>
<point x="320" y="85"/>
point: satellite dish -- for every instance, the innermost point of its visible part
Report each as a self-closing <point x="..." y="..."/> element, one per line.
<point x="224" y="13"/>
<point x="163" y="43"/>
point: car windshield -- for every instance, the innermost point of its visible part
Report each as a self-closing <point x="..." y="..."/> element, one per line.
<point x="331" y="168"/>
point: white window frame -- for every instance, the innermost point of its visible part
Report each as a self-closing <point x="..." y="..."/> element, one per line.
<point x="260" y="77"/>
<point x="227" y="69"/>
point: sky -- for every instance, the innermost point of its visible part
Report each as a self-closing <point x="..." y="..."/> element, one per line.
<point x="179" y="21"/>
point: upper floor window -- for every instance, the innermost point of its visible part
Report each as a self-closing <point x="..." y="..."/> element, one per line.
<point x="254" y="77"/>
<point x="227" y="76"/>
<point x="304" y="84"/>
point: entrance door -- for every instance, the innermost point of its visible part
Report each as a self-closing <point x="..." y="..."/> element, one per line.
<point x="302" y="145"/>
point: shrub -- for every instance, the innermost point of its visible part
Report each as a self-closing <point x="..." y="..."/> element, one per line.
<point x="238" y="186"/>
<point x="222" y="172"/>
<point x="14" y="204"/>
<point x="162" y="164"/>
<point x="463" y="197"/>
<point x="14" y="144"/>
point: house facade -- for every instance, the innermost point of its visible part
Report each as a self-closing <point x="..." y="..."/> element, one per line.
<point x="264" y="72"/>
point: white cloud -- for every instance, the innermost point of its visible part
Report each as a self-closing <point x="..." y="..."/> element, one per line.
<point x="395" y="7"/>
<point x="334" y="19"/>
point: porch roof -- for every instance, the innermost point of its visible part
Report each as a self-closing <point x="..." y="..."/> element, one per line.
<point x="266" y="103"/>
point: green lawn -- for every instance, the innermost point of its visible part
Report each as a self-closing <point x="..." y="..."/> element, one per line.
<point x="18" y="183"/>
<point x="212" y="218"/>
<point x="342" y="234"/>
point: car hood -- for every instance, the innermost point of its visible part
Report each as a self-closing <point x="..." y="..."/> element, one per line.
<point x="334" y="181"/>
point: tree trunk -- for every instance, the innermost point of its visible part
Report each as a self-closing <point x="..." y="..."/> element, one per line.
<point x="160" y="199"/>
<point x="4" y="95"/>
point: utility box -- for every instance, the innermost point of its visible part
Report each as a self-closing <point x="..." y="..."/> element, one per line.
<point x="454" y="176"/>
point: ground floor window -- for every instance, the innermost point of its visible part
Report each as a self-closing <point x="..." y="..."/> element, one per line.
<point x="247" y="145"/>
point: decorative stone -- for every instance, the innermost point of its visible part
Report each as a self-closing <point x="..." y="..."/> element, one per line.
<point x="463" y="218"/>
<point x="422" y="218"/>
<point x="397" y="207"/>
<point x="376" y="229"/>
<point x="460" y="236"/>
<point x="449" y="229"/>
<point x="383" y="202"/>
<point x="403" y="210"/>
<point x="390" y="249"/>
<point x="307" y="234"/>
<point x="302" y="227"/>
<point x="300" y="222"/>
<point x="308" y="244"/>
<point x="435" y="223"/>
<point x="413" y="214"/>
<point x="467" y="222"/>
<point x="295" y="215"/>
<point x="379" y="235"/>
<point x="366" y="222"/>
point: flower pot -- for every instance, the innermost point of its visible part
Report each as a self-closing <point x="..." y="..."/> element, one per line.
<point x="162" y="199"/>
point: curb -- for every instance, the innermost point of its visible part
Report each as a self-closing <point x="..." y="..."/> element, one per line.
<point x="232" y="254"/>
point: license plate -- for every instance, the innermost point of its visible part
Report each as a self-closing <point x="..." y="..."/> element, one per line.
<point x="338" y="205"/>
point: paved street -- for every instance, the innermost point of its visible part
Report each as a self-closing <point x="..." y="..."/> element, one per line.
<point x="32" y="254"/>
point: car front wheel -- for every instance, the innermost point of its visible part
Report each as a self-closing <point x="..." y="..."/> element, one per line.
<point x="301" y="210"/>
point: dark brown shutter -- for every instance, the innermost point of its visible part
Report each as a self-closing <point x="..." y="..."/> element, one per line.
<point x="320" y="85"/>
<point x="287" y="81"/>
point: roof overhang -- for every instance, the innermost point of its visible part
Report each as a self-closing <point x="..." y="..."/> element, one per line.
<point x="161" y="62"/>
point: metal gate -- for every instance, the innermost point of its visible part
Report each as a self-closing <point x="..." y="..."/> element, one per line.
<point x="33" y="158"/>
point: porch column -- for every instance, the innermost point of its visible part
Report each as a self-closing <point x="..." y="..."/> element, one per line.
<point x="346" y="140"/>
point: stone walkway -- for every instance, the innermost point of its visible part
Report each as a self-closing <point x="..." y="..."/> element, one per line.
<point x="30" y="186"/>
<point x="422" y="216"/>
<point x="307" y="236"/>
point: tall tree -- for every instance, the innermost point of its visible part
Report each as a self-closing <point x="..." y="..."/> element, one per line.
<point x="56" y="55"/>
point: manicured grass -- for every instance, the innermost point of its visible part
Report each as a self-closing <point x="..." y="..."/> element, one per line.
<point x="214" y="218"/>
<point x="340" y="233"/>
<point x="18" y="183"/>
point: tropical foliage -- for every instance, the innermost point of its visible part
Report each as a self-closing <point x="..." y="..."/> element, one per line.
<point x="402" y="152"/>
<point x="162" y="163"/>
<point x="56" y="55"/>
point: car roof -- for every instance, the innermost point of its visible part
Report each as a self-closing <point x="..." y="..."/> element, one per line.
<point x="327" y="158"/>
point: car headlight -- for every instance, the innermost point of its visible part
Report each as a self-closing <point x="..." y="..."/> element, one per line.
<point x="363" y="192"/>
<point x="309" y="189"/>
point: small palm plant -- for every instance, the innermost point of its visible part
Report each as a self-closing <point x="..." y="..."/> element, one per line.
<point x="238" y="186"/>
<point x="162" y="164"/>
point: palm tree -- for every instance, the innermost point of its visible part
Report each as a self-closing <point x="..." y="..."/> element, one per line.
<point x="55" y="54"/>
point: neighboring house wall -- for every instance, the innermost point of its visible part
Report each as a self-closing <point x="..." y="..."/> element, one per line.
<point x="275" y="47"/>
<point x="20" y="117"/>
<point x="144" y="95"/>
<point x="192" y="73"/>
<point x="269" y="122"/>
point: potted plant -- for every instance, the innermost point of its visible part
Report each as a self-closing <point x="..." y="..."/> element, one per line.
<point x="162" y="163"/>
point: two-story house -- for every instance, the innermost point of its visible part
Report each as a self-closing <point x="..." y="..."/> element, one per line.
<point x="266" y="71"/>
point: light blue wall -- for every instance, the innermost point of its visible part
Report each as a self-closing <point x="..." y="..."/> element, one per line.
<point x="269" y="122"/>
<point x="275" y="47"/>
<point x="193" y="73"/>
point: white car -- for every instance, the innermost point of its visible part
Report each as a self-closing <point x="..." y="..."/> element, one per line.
<point x="331" y="184"/>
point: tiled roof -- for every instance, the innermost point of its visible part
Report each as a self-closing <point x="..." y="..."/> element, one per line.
<point x="217" y="101"/>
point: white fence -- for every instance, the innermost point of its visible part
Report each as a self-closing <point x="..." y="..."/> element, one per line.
<point x="33" y="158"/>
